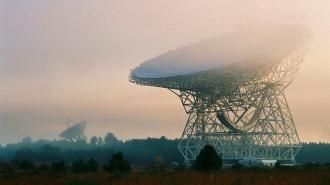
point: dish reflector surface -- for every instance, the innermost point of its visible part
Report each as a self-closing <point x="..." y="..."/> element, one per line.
<point x="270" y="42"/>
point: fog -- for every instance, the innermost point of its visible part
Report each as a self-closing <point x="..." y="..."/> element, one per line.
<point x="71" y="59"/>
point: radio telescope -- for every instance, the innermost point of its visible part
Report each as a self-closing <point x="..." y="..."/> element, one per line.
<point x="232" y="87"/>
<point x="75" y="131"/>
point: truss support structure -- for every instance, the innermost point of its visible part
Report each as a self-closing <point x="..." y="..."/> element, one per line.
<point x="252" y="119"/>
<point x="272" y="136"/>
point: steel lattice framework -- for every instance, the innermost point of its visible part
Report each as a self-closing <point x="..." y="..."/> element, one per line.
<point x="244" y="120"/>
<point x="243" y="114"/>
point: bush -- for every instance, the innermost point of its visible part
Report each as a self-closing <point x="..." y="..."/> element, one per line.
<point x="277" y="164"/>
<point x="237" y="166"/>
<point x="58" y="166"/>
<point x="92" y="165"/>
<point x="118" y="164"/>
<point x="26" y="165"/>
<point x="44" y="167"/>
<point x="208" y="159"/>
<point x="81" y="166"/>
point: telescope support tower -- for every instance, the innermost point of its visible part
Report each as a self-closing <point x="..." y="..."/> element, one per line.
<point x="235" y="100"/>
<point x="272" y="136"/>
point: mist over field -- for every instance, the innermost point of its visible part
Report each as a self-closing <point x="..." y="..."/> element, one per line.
<point x="71" y="59"/>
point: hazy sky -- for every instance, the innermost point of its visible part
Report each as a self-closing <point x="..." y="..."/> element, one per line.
<point x="71" y="59"/>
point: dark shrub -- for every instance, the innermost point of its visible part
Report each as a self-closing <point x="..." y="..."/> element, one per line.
<point x="208" y="159"/>
<point x="277" y="164"/>
<point x="58" y="166"/>
<point x="237" y="166"/>
<point x="44" y="167"/>
<point x="92" y="165"/>
<point x="26" y="165"/>
<point x="118" y="164"/>
<point x="79" y="167"/>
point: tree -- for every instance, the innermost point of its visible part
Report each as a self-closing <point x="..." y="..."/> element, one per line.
<point x="208" y="159"/>
<point x="118" y="164"/>
<point x="110" y="139"/>
<point x="27" y="140"/>
<point x="50" y="153"/>
<point x="100" y="141"/>
<point x="93" y="141"/>
<point x="25" y="154"/>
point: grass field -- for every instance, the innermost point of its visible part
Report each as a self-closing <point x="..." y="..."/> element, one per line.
<point x="319" y="176"/>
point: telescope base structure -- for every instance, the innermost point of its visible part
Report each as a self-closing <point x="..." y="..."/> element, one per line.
<point x="272" y="136"/>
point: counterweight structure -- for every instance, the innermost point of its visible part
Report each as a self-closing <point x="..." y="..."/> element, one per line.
<point x="240" y="108"/>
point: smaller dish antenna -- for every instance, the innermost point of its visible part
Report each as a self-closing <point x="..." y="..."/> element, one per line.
<point x="75" y="131"/>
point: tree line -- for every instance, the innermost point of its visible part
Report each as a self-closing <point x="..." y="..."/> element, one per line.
<point x="139" y="152"/>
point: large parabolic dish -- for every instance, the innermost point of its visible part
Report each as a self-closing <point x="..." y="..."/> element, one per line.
<point x="232" y="87"/>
